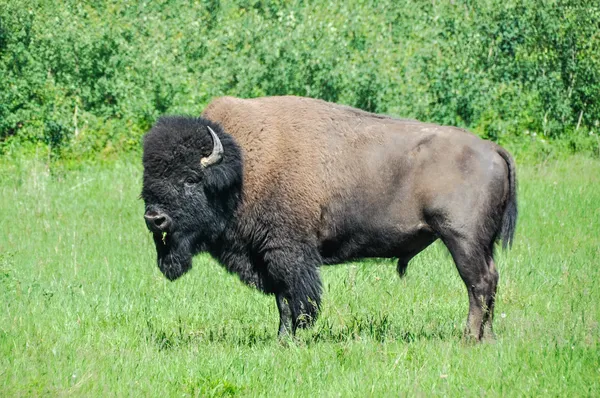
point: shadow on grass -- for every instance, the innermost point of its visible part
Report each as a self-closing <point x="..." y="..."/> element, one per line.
<point x="169" y="338"/>
<point x="370" y="328"/>
<point x="379" y="328"/>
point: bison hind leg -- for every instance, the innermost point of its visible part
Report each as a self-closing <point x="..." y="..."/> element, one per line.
<point x="402" y="266"/>
<point x="475" y="264"/>
<point x="420" y="242"/>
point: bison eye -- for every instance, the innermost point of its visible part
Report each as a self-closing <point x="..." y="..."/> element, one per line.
<point x="190" y="181"/>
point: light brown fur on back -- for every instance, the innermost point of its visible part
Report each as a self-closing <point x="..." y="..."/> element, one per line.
<point x="312" y="150"/>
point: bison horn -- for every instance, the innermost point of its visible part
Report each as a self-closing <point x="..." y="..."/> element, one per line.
<point x="217" y="152"/>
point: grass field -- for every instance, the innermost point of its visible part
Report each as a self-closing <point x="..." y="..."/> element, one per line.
<point x="85" y="311"/>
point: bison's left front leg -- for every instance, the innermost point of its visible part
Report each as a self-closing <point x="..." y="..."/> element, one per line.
<point x="285" y="316"/>
<point x="294" y="272"/>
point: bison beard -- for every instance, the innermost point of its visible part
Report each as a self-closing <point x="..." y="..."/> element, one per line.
<point x="174" y="256"/>
<point x="320" y="183"/>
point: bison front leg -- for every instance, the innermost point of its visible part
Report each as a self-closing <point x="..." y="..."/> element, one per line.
<point x="285" y="316"/>
<point x="294" y="272"/>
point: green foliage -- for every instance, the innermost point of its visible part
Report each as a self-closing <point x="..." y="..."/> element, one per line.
<point x="84" y="310"/>
<point x="87" y="77"/>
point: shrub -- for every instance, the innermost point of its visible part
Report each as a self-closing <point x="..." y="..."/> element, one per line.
<point x="92" y="77"/>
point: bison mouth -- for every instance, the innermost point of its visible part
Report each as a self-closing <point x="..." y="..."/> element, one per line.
<point x="174" y="255"/>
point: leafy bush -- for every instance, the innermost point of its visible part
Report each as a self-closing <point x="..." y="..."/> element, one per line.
<point x="89" y="77"/>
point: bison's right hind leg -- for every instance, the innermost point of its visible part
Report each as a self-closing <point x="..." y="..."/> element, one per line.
<point x="403" y="265"/>
<point x="476" y="267"/>
<point x="403" y="261"/>
<point x="420" y="243"/>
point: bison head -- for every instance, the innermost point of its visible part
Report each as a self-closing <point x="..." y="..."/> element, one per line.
<point x="191" y="188"/>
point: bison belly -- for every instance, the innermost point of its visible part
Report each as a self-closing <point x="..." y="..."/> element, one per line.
<point x="353" y="231"/>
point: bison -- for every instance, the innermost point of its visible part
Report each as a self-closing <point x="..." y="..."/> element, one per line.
<point x="275" y="187"/>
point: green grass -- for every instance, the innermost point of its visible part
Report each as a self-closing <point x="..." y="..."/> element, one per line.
<point x="84" y="310"/>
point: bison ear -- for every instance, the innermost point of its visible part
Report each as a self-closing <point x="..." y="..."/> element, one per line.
<point x="217" y="152"/>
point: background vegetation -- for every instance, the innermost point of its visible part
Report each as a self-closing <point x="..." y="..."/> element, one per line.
<point x="91" y="77"/>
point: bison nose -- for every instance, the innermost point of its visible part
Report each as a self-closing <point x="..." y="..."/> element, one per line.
<point x="157" y="221"/>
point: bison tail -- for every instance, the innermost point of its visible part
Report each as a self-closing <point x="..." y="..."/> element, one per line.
<point x="509" y="217"/>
